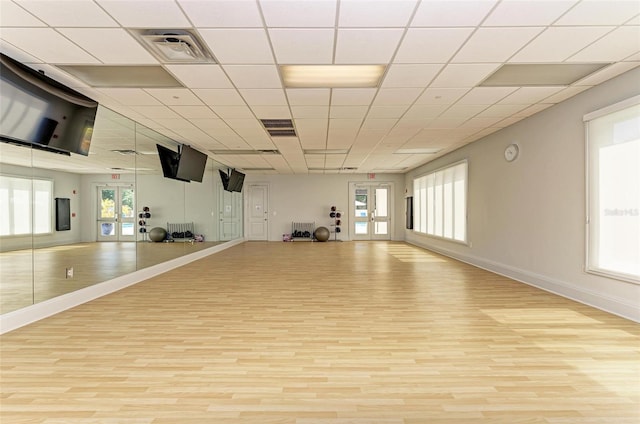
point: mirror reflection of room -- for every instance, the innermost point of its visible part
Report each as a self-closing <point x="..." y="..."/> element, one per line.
<point x="105" y="193"/>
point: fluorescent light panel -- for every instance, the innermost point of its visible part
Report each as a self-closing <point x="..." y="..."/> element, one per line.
<point x="331" y="76"/>
<point x="544" y="74"/>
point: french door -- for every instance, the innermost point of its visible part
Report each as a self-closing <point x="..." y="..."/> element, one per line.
<point x="370" y="209"/>
<point x="116" y="213"/>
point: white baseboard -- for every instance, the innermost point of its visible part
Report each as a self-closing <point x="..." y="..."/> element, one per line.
<point x="21" y="317"/>
<point x="616" y="306"/>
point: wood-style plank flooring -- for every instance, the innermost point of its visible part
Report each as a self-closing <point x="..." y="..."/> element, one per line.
<point x="32" y="275"/>
<point x="324" y="333"/>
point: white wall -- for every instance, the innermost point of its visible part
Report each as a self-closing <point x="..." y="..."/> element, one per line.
<point x="526" y="219"/>
<point x="308" y="198"/>
<point x="65" y="185"/>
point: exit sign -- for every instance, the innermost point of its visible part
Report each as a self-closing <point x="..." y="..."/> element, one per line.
<point x="115" y="176"/>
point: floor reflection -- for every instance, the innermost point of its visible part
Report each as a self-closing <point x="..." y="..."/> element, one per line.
<point x="31" y="276"/>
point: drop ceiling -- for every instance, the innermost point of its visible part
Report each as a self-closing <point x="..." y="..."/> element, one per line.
<point x="430" y="100"/>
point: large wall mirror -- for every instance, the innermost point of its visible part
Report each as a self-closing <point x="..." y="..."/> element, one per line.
<point x="68" y="222"/>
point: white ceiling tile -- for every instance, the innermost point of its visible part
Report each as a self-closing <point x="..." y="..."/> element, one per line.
<point x="556" y="44"/>
<point x="566" y="93"/>
<point x="375" y="13"/>
<point x="291" y="46"/>
<point x="301" y="14"/>
<point x="219" y="97"/>
<point x="446" y="123"/>
<point x="614" y="46"/>
<point x="16" y="53"/>
<point x="403" y="75"/>
<point x="396" y="96"/>
<point x="222" y="13"/>
<point x="200" y="76"/>
<point x="246" y="126"/>
<point x="485" y="95"/>
<point x="375" y="46"/>
<point x="633" y="21"/>
<point x="425" y="111"/>
<point x="633" y="58"/>
<point x="441" y="96"/>
<point x="348" y="111"/>
<point x="447" y="13"/>
<point x="533" y="109"/>
<point x="600" y="12"/>
<point x="233" y="112"/>
<point x="495" y="44"/>
<point x="195" y="112"/>
<point x="175" y="96"/>
<point x="271" y="112"/>
<point x="238" y="46"/>
<point x="156" y="112"/>
<point x="47" y="45"/>
<point x="312" y="131"/>
<point x="254" y="76"/>
<point x="68" y="13"/>
<point x="310" y="111"/>
<point x="110" y="45"/>
<point x="146" y="14"/>
<point x="606" y="73"/>
<point x="529" y="95"/>
<point x="264" y="96"/>
<point x="131" y="96"/>
<point x="384" y="112"/>
<point x="14" y="16"/>
<point x="463" y="75"/>
<point x="431" y="45"/>
<point x="527" y="12"/>
<point x="308" y="96"/>
<point x="462" y="111"/>
<point x="501" y="110"/>
<point x="352" y="96"/>
<point x="210" y="124"/>
<point x="379" y="124"/>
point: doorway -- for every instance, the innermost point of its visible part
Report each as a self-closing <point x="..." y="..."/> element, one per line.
<point x="229" y="215"/>
<point x="116" y="213"/>
<point x="370" y="207"/>
<point x="258" y="212"/>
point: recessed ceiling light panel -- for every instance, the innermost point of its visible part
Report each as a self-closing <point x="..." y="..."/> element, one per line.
<point x="331" y="76"/>
<point x="542" y="74"/>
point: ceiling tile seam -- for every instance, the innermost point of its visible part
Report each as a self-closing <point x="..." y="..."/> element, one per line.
<point x="282" y="85"/>
<point x="615" y="28"/>
<point x="34" y="15"/>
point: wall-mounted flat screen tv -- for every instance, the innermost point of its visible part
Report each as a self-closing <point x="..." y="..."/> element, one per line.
<point x="169" y="161"/>
<point x="236" y="180"/>
<point x="39" y="112"/>
<point x="191" y="164"/>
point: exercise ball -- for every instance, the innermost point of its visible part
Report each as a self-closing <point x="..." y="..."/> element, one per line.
<point x="321" y="234"/>
<point x="157" y="234"/>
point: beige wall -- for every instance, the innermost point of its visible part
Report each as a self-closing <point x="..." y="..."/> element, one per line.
<point x="527" y="218"/>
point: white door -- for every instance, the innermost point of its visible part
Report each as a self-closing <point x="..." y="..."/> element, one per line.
<point x="230" y="214"/>
<point x="258" y="212"/>
<point x="116" y="213"/>
<point x="370" y="208"/>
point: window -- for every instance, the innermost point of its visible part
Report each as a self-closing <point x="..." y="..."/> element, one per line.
<point x="440" y="203"/>
<point x="613" y="190"/>
<point x="25" y="206"/>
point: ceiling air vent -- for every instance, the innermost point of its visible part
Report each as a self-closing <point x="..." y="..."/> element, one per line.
<point x="175" y="45"/>
<point x="279" y="127"/>
<point x="282" y="133"/>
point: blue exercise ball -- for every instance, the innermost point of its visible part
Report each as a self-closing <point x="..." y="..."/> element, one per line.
<point x="157" y="234"/>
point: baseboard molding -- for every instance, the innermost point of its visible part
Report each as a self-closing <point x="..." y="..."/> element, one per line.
<point x="616" y="306"/>
<point x="21" y="317"/>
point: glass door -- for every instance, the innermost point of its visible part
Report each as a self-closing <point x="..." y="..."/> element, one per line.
<point x="116" y="213"/>
<point x="371" y="216"/>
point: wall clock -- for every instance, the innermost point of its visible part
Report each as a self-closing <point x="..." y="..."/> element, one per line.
<point x="511" y="152"/>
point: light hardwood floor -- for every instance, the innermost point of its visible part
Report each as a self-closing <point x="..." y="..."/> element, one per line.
<point x="324" y="333"/>
<point x="33" y="275"/>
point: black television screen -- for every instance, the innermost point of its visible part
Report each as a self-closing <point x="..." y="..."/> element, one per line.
<point x="169" y="161"/>
<point x="236" y="179"/>
<point x="191" y="164"/>
<point x="225" y="180"/>
<point x="37" y="111"/>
